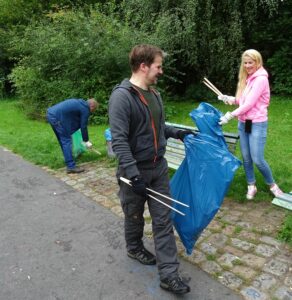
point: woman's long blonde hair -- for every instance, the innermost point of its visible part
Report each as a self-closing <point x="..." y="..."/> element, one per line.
<point x="242" y="75"/>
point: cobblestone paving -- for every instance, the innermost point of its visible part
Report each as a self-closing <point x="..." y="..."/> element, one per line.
<point x="238" y="247"/>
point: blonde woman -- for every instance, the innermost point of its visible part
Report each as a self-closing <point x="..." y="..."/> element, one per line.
<point x="253" y="98"/>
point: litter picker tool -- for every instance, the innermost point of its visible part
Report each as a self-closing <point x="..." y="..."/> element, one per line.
<point x="95" y="151"/>
<point x="211" y="86"/>
<point x="127" y="181"/>
<point x="176" y="210"/>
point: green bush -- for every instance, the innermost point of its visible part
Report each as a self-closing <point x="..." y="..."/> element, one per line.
<point x="82" y="51"/>
<point x="200" y="91"/>
<point x="281" y="70"/>
<point x="2" y="87"/>
<point x="71" y="55"/>
<point x="199" y="40"/>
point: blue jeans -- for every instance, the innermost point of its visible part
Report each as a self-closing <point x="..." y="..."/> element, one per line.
<point x="252" y="147"/>
<point x="64" y="140"/>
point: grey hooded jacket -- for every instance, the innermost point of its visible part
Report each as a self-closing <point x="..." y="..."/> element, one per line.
<point x="134" y="138"/>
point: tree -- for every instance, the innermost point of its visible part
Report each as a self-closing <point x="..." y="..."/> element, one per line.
<point x="207" y="37"/>
<point x="71" y="54"/>
<point x="273" y="38"/>
<point x="15" y="15"/>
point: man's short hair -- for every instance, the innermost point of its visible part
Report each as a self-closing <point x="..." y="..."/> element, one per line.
<point x="93" y="104"/>
<point x="143" y="53"/>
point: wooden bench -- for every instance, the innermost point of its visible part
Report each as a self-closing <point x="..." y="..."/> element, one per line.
<point x="175" y="149"/>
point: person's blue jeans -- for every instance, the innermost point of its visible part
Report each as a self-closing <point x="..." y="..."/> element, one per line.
<point x="252" y="147"/>
<point x="64" y="140"/>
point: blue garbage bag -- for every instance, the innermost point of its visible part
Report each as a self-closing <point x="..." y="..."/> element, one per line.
<point x="203" y="178"/>
<point x="108" y="138"/>
<point x="108" y="135"/>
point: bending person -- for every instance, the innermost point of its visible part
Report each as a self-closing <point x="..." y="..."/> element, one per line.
<point x="253" y="98"/>
<point x="65" y="118"/>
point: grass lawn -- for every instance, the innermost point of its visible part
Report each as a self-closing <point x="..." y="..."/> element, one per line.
<point x="36" y="142"/>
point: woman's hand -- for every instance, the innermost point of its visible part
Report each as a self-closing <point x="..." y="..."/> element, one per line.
<point x="227" y="99"/>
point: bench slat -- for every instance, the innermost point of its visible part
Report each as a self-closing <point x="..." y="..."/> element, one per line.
<point x="173" y="162"/>
<point x="173" y="153"/>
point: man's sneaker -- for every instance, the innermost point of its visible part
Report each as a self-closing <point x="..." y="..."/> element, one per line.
<point x="251" y="191"/>
<point x="143" y="256"/>
<point x="175" y="285"/>
<point x="75" y="170"/>
<point x="276" y="191"/>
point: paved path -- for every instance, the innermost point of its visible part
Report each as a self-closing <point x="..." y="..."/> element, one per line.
<point x="58" y="244"/>
<point x="238" y="248"/>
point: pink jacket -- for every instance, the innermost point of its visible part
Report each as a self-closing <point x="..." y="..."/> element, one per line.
<point x="255" y="99"/>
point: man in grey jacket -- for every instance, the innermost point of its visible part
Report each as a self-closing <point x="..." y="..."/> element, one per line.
<point x="139" y="137"/>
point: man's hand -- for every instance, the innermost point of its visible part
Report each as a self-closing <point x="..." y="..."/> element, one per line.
<point x="88" y="144"/>
<point x="139" y="186"/>
<point x="183" y="133"/>
<point x="227" y="99"/>
<point x="226" y="118"/>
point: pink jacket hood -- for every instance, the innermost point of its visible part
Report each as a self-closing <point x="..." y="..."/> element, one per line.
<point x="255" y="99"/>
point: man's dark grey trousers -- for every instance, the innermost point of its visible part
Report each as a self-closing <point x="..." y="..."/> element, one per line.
<point x="155" y="174"/>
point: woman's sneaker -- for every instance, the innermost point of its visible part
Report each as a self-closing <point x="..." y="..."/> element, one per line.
<point x="276" y="191"/>
<point x="251" y="191"/>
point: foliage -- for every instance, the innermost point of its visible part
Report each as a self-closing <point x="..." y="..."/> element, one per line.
<point x="81" y="47"/>
<point x="20" y="12"/>
<point x="15" y="15"/>
<point x="205" y="38"/>
<point x="70" y="55"/>
<point x="281" y="70"/>
<point x="15" y="12"/>
<point x="195" y="35"/>
<point x="5" y="66"/>
<point x="285" y="233"/>
<point x="199" y="91"/>
<point x="273" y="39"/>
